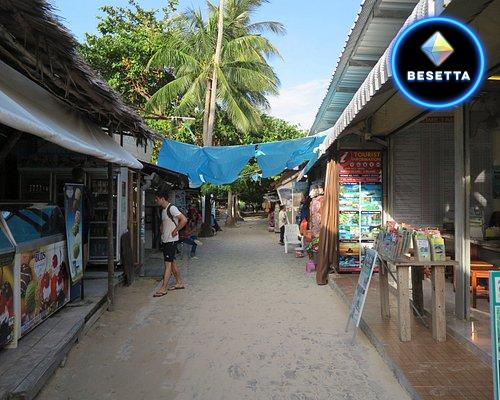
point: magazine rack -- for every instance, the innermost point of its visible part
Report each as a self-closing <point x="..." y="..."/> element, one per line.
<point x="402" y="266"/>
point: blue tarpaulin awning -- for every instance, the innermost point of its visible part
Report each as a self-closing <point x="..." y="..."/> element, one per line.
<point x="222" y="165"/>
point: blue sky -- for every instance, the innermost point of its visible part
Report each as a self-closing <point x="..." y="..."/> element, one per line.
<point x="316" y="32"/>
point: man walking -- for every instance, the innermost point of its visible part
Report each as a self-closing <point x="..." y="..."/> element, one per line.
<point x="282" y="223"/>
<point x="172" y="222"/>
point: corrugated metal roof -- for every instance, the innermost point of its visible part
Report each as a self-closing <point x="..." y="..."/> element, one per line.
<point x="376" y="24"/>
<point x="377" y="77"/>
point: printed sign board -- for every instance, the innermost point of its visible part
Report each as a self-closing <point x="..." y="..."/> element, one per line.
<point x="73" y="200"/>
<point x="44" y="284"/>
<point x="367" y="267"/>
<point x="360" y="205"/>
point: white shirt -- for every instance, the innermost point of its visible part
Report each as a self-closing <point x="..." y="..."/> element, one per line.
<point x="168" y="225"/>
<point x="281" y="218"/>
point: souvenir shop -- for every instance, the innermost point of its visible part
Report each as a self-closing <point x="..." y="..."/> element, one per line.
<point x="52" y="113"/>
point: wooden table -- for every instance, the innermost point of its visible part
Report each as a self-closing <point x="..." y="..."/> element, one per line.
<point x="403" y="294"/>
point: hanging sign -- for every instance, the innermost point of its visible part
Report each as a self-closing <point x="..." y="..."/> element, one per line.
<point x="367" y="266"/>
<point x="494" y="283"/>
<point x="73" y="200"/>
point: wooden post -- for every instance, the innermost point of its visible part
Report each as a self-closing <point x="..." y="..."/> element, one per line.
<point x="130" y="212"/>
<point x="438" y="304"/>
<point x="383" y="280"/>
<point x="404" y="316"/>
<point x="417" y="275"/>
<point x="206" y="226"/>
<point x="111" y="251"/>
<point x="230" y="221"/>
<point x="462" y="201"/>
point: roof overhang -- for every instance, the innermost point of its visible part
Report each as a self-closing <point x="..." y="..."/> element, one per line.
<point x="27" y="107"/>
<point x="377" y="23"/>
<point x="377" y="109"/>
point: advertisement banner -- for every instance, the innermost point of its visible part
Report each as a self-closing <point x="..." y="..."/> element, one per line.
<point x="7" y="316"/>
<point x="44" y="284"/>
<point x="360" y="204"/>
<point x="73" y="199"/>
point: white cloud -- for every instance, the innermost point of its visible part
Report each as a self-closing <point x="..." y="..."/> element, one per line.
<point x="299" y="104"/>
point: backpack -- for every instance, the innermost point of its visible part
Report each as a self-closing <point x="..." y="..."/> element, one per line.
<point x="169" y="214"/>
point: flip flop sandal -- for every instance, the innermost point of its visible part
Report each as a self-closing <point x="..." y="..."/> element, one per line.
<point x="159" y="294"/>
<point x="177" y="288"/>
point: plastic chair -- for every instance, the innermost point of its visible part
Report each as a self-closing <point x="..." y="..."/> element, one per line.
<point x="292" y="236"/>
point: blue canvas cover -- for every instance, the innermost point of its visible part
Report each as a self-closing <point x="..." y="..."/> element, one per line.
<point x="275" y="157"/>
<point x="222" y="165"/>
<point x="217" y="165"/>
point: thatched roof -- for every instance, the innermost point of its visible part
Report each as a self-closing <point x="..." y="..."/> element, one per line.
<point x="34" y="42"/>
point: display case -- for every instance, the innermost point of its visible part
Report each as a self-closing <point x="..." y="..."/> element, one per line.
<point x="98" y="230"/>
<point x="40" y="277"/>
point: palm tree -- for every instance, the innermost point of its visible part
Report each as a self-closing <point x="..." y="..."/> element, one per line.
<point x="244" y="77"/>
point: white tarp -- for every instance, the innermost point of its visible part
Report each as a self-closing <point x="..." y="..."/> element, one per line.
<point x="28" y="107"/>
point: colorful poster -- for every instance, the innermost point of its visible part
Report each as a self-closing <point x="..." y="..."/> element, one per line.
<point x="370" y="224"/>
<point x="7" y="316"/>
<point x="348" y="262"/>
<point x="73" y="199"/>
<point x="44" y="284"/>
<point x="349" y="255"/>
<point x="349" y="225"/>
<point x="349" y="197"/>
<point x="371" y="197"/>
<point x="494" y="293"/>
<point x="358" y="301"/>
<point x="360" y="202"/>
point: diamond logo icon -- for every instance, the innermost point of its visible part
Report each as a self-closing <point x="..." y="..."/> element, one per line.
<point x="437" y="49"/>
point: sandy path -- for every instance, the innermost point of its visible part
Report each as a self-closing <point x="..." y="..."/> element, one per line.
<point x="250" y="325"/>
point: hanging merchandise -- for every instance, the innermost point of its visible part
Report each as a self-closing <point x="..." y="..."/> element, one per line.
<point x="360" y="205"/>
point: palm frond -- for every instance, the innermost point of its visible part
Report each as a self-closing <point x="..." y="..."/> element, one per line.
<point x="267" y="26"/>
<point x="168" y="94"/>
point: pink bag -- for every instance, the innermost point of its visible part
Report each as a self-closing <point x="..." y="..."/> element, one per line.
<point x="310" y="266"/>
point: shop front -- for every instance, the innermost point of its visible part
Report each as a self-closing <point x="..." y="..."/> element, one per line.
<point x="438" y="168"/>
<point x="55" y="115"/>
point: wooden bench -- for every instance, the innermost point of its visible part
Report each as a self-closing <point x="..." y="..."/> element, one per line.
<point x="478" y="270"/>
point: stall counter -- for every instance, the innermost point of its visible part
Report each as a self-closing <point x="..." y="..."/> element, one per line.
<point x="41" y="283"/>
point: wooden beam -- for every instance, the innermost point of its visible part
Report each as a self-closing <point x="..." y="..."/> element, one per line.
<point x="13" y="138"/>
<point x="111" y="250"/>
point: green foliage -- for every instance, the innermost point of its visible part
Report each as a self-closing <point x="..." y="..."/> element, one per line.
<point x="179" y="50"/>
<point x="127" y="38"/>
<point x="243" y="75"/>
